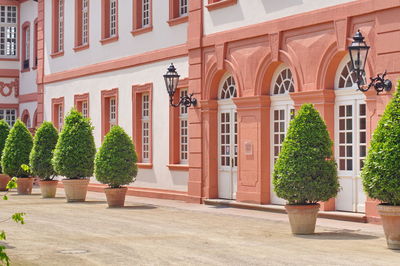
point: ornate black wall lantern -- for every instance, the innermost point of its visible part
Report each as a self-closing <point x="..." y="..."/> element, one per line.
<point x="358" y="54"/>
<point x="171" y="82"/>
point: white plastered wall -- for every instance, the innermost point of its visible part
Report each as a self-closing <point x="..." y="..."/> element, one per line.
<point x="160" y="176"/>
<point x="27" y="81"/>
<point x="248" y="12"/>
<point x="161" y="36"/>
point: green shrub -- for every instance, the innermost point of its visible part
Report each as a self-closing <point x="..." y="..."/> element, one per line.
<point x="75" y="149"/>
<point x="16" y="150"/>
<point x="305" y="171"/>
<point x="381" y="172"/>
<point x="115" y="162"/>
<point x="4" y="131"/>
<point x="42" y="152"/>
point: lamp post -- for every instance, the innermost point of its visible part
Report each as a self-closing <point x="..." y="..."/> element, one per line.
<point x="358" y="51"/>
<point x="171" y="79"/>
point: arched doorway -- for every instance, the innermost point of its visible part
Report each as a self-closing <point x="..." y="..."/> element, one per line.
<point x="350" y="139"/>
<point x="26" y="118"/>
<point x="282" y="111"/>
<point x="227" y="139"/>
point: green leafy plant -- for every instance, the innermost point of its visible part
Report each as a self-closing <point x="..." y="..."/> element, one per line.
<point x="16" y="150"/>
<point x="16" y="217"/>
<point x="75" y="148"/>
<point x="380" y="174"/>
<point x="4" y="131"/>
<point x="115" y="162"/>
<point x="305" y="171"/>
<point x="44" y="143"/>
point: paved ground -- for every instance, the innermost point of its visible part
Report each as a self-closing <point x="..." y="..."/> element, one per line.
<point x="162" y="232"/>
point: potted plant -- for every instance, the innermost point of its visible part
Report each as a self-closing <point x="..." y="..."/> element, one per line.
<point x="4" y="130"/>
<point x="44" y="142"/>
<point x="305" y="172"/>
<point x="74" y="155"/>
<point x="15" y="154"/>
<point x="115" y="165"/>
<point x="381" y="175"/>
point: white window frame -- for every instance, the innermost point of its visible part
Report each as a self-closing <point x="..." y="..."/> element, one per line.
<point x="60" y="116"/>
<point x="146" y="13"/>
<point x="85" y="109"/>
<point x="27" y="43"/>
<point x="183" y="7"/>
<point x="9" y="115"/>
<point x="85" y="22"/>
<point x="277" y="80"/>
<point x="183" y="131"/>
<point x="8" y="31"/>
<point x="60" y="25"/>
<point x="145" y="127"/>
<point x="113" y="18"/>
<point x="113" y="111"/>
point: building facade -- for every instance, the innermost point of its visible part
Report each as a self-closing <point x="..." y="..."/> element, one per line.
<point x="250" y="65"/>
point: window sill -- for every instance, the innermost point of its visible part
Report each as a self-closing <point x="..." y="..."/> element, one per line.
<point x="145" y="165"/>
<point x="139" y="31"/>
<point x="109" y="40"/>
<point x="178" y="167"/>
<point x="220" y="4"/>
<point x="177" y="21"/>
<point x="57" y="54"/>
<point x="81" y="47"/>
<point x="34" y="67"/>
<point x="25" y="70"/>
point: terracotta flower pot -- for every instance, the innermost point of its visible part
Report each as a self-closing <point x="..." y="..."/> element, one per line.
<point x="302" y="218"/>
<point x="75" y="189"/>
<point x="116" y="196"/>
<point x="391" y="224"/>
<point x="24" y="185"/>
<point x="4" y="179"/>
<point x="48" y="188"/>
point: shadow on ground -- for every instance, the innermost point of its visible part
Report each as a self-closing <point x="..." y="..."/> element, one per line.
<point x="137" y="207"/>
<point x="338" y="235"/>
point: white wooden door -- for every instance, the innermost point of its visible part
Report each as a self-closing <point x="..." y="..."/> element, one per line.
<point x="228" y="151"/>
<point x="280" y="117"/>
<point x="350" y="152"/>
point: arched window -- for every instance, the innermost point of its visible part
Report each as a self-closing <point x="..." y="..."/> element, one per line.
<point x="346" y="77"/>
<point x="228" y="89"/>
<point x="284" y="82"/>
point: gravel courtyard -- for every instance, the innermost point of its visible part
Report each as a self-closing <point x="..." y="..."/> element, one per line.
<point x="162" y="232"/>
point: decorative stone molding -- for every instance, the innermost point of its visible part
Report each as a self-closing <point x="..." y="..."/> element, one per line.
<point x="10" y="86"/>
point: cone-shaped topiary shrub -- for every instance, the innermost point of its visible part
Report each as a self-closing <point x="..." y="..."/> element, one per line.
<point x="381" y="172"/>
<point x="16" y="150"/>
<point x="305" y="171"/>
<point x="4" y="131"/>
<point x="40" y="157"/>
<point x="75" y="149"/>
<point x="115" y="162"/>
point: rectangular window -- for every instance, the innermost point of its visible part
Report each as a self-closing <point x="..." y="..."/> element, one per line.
<point x="85" y="109"/>
<point x="142" y="123"/>
<point x="26" y="45"/>
<point x="60" y="116"/>
<point x="85" y="22"/>
<point x="145" y="128"/>
<point x="280" y="123"/>
<point x="8" y="31"/>
<point x="58" y="26"/>
<point x="58" y="112"/>
<point x="9" y="115"/>
<point x="183" y="122"/>
<point x="35" y="39"/>
<point x="352" y="142"/>
<point x="183" y="7"/>
<point x="113" y="111"/>
<point x="145" y="13"/>
<point x="113" y="18"/>
<point x="109" y="114"/>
